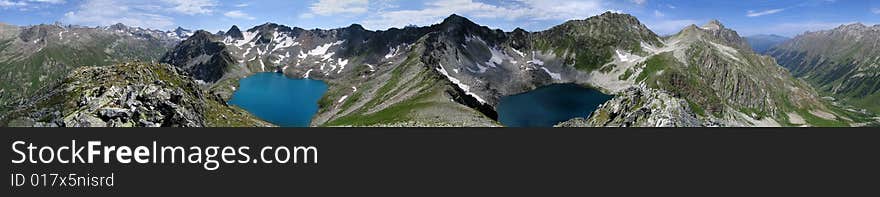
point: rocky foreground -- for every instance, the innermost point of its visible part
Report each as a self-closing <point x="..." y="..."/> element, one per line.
<point x="130" y="95"/>
<point x="640" y="107"/>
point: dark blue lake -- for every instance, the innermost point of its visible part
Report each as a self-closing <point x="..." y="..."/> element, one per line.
<point x="280" y="100"/>
<point x="549" y="105"/>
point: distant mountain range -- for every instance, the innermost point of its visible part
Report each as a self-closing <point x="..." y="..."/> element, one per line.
<point x="763" y="42"/>
<point x="35" y="58"/>
<point x="843" y="63"/>
<point x="455" y="72"/>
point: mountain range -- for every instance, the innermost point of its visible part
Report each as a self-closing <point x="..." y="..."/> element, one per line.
<point x="33" y="59"/>
<point x="455" y="72"/>
<point x="842" y="63"/>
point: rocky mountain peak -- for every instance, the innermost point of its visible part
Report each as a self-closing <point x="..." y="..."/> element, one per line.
<point x="613" y="14"/>
<point x="181" y="30"/>
<point x="856" y="28"/>
<point x="853" y="26"/>
<point x="37" y="32"/>
<point x="609" y="18"/>
<point x="268" y="27"/>
<point x="455" y="21"/>
<point x="235" y="33"/>
<point x="455" y="18"/>
<point x="356" y="27"/>
<point x="713" y="24"/>
<point x="118" y="26"/>
<point x="202" y="34"/>
<point x="716" y="31"/>
<point x="212" y="56"/>
<point x="623" y="30"/>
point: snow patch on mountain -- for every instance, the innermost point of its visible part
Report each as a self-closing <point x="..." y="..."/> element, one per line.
<point x="536" y="62"/>
<point x="555" y="76"/>
<point x="521" y="54"/>
<point x="248" y="37"/>
<point x="322" y="50"/>
<point x="247" y="52"/>
<point x="623" y="56"/>
<point x="342" y="63"/>
<point x="285" y="41"/>
<point x="281" y="58"/>
<point x="306" y="76"/>
<point x="461" y="85"/>
<point x="498" y="58"/>
<point x="342" y="99"/>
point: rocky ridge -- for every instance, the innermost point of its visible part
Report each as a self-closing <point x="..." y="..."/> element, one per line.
<point x="130" y="95"/>
<point x="34" y="59"/>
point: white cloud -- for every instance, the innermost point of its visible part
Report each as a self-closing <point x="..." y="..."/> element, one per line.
<point x="23" y="3"/>
<point x="148" y="14"/>
<point x="48" y="1"/>
<point x="657" y="13"/>
<point x="238" y="14"/>
<point x="522" y="10"/>
<point x="6" y="3"/>
<point x="331" y="7"/>
<point x="640" y="2"/>
<point x="241" y="5"/>
<point x="875" y="10"/>
<point x="108" y="12"/>
<point x="192" y="7"/>
<point x="752" y="13"/>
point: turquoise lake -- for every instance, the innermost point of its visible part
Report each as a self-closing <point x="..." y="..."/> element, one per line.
<point x="280" y="100"/>
<point x="549" y="105"/>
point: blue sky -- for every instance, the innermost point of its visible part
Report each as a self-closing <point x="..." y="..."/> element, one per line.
<point x="749" y="17"/>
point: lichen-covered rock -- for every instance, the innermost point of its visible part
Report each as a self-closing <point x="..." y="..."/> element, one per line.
<point x="574" y="122"/>
<point x="133" y="95"/>
<point x="644" y="107"/>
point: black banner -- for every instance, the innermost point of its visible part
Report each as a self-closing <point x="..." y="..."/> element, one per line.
<point x="461" y="161"/>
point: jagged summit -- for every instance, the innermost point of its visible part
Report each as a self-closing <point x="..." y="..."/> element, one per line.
<point x="857" y="25"/>
<point x="202" y="33"/>
<point x="356" y="26"/>
<point x="612" y="13"/>
<point x="455" y="20"/>
<point x="235" y="33"/>
<point x="714" y="30"/>
<point x="713" y="24"/>
<point x="264" y="26"/>
<point x="611" y="18"/>
<point x="118" y="26"/>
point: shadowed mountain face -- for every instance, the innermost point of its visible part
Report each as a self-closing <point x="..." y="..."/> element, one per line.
<point x="843" y="62"/>
<point x="455" y="72"/>
<point x="762" y="43"/>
